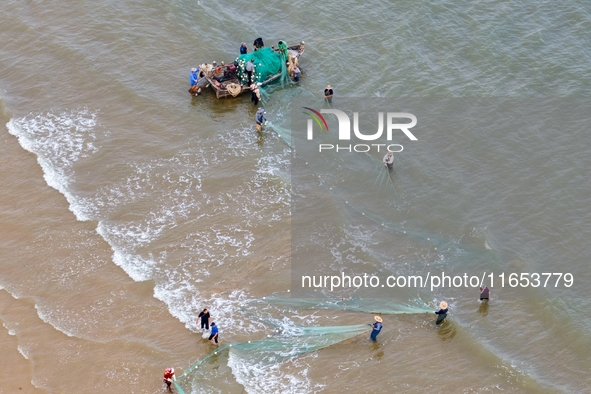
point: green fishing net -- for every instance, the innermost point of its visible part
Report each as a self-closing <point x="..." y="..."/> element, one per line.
<point x="366" y="305"/>
<point x="290" y="341"/>
<point x="267" y="62"/>
<point x="294" y="341"/>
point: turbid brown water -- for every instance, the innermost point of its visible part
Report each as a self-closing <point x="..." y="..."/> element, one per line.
<point x="127" y="205"/>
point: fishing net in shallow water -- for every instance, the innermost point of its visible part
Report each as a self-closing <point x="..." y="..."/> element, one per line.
<point x="267" y="63"/>
<point x="367" y="305"/>
<point x="247" y="358"/>
<point x="381" y="182"/>
<point x="374" y="176"/>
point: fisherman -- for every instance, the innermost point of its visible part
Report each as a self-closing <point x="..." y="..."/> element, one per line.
<point x="194" y="76"/>
<point x="205" y="319"/>
<point x="169" y="376"/>
<point x="441" y="313"/>
<point x="376" y="328"/>
<point x="328" y="93"/>
<point x="243" y="49"/>
<point x="484" y="293"/>
<point x="295" y="74"/>
<point x="195" y="89"/>
<point x="217" y="70"/>
<point x="258" y="44"/>
<point x="214" y="334"/>
<point x="389" y="160"/>
<point x="256" y="94"/>
<point x="260" y="119"/>
<point x="249" y="68"/>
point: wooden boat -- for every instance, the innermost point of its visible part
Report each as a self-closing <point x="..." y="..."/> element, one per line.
<point x="224" y="81"/>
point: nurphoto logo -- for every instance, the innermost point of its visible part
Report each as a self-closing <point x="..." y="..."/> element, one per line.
<point x="344" y="133"/>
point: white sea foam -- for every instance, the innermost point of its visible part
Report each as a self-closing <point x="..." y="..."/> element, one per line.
<point x="262" y="378"/>
<point x="184" y="302"/>
<point x="11" y="331"/>
<point x="47" y="317"/>
<point x="59" y="141"/>
<point x="23" y="350"/>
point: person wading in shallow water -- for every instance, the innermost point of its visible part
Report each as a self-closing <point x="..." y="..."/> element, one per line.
<point x="205" y="318"/>
<point x="169" y="376"/>
<point x="441" y="313"/>
<point x="256" y="93"/>
<point x="389" y="160"/>
<point x="328" y="93"/>
<point x="376" y="328"/>
<point x="260" y="119"/>
<point x="214" y="334"/>
<point x="484" y="293"/>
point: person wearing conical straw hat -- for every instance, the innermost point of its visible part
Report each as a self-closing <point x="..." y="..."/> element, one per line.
<point x="376" y="328"/>
<point x="328" y="93"/>
<point x="442" y="312"/>
<point x="389" y="160"/>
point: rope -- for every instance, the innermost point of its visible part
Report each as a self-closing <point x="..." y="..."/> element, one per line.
<point x="342" y="38"/>
<point x="234" y="89"/>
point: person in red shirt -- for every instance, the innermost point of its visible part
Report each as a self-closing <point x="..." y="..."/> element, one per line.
<point x="169" y="376"/>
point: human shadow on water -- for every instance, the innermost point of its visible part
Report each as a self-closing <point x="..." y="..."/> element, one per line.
<point x="446" y="330"/>
<point x="380" y="353"/>
<point x="483" y="308"/>
<point x="261" y="137"/>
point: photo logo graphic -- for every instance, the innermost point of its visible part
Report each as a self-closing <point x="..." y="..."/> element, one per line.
<point x="317" y="116"/>
<point x="344" y="133"/>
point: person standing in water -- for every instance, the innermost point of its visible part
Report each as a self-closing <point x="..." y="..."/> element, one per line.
<point x="441" y="313"/>
<point x="214" y="334"/>
<point x="260" y="119"/>
<point x="205" y="319"/>
<point x="256" y="93"/>
<point x="389" y="160"/>
<point x="295" y="74"/>
<point x="328" y="93"/>
<point x="376" y="328"/>
<point x="484" y="293"/>
<point x="169" y="376"/>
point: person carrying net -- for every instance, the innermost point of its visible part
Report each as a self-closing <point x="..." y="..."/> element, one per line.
<point x="169" y="376"/>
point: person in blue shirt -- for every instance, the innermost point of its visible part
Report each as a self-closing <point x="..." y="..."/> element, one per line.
<point x="194" y="76"/>
<point x="441" y="313"/>
<point x="243" y="49"/>
<point x="195" y="89"/>
<point x="214" y="334"/>
<point x="376" y="328"/>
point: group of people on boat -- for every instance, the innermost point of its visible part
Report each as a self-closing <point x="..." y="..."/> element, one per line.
<point x="228" y="72"/>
